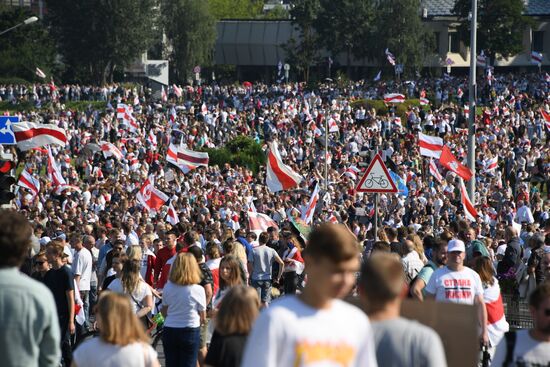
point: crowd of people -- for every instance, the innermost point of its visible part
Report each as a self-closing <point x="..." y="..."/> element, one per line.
<point x="94" y="240"/>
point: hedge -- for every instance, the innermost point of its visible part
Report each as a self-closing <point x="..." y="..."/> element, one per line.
<point x="79" y="106"/>
<point x="242" y="151"/>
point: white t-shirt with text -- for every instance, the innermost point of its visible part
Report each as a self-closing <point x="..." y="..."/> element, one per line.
<point x="455" y="286"/>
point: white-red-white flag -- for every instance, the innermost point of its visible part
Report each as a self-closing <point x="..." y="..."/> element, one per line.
<point x="54" y="173"/>
<point x="149" y="197"/>
<point x="279" y="176"/>
<point x="470" y="211"/>
<point x="430" y="146"/>
<point x="163" y="95"/>
<point x="309" y="210"/>
<point x="177" y="91"/>
<point x="333" y="126"/>
<point x="172" y="157"/>
<point x="394" y="98"/>
<point x="352" y="172"/>
<point x="390" y="57"/>
<point x="29" y="135"/>
<point x="546" y="117"/>
<point x="152" y="139"/>
<point x="259" y="222"/>
<point x="332" y="219"/>
<point x="109" y="149"/>
<point x="424" y="101"/>
<point x="191" y="158"/>
<point x="125" y="113"/>
<point x="29" y="182"/>
<point x="536" y="57"/>
<point x="172" y="215"/>
<point x="491" y="164"/>
<point x="435" y="172"/>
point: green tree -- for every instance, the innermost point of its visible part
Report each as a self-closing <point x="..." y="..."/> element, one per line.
<point x="399" y="28"/>
<point x="95" y="37"/>
<point x="26" y="47"/>
<point x="191" y="30"/>
<point x="304" y="52"/>
<point x="343" y="26"/>
<point x="235" y="9"/>
<point x="500" y="25"/>
<point x="278" y="12"/>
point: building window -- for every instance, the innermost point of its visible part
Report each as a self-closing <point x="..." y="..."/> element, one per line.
<point x="454" y="42"/>
<point x="538" y="41"/>
<point x="436" y="42"/>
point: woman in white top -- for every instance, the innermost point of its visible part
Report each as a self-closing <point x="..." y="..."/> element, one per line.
<point x="184" y="309"/>
<point x="122" y="340"/>
<point x="130" y="283"/>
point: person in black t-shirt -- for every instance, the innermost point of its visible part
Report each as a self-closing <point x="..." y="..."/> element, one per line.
<point x="60" y="280"/>
<point x="237" y="313"/>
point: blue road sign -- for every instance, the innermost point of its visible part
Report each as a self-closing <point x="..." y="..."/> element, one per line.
<point x="6" y="132"/>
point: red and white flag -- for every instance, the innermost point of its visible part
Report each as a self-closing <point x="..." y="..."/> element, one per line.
<point x="482" y="60"/>
<point x="424" y="101"/>
<point x="397" y="120"/>
<point x="352" y="172"/>
<point x="172" y="215"/>
<point x="177" y="91"/>
<point x="204" y="109"/>
<point x="125" y="113"/>
<point x="449" y="161"/>
<point x="29" y="182"/>
<point x="394" y="98"/>
<point x="333" y="126"/>
<point x="279" y="176"/>
<point x="430" y="146"/>
<point x="149" y="197"/>
<point x="546" y="116"/>
<point x="172" y="157"/>
<point x="496" y="320"/>
<point x="29" y="135"/>
<point x="54" y="173"/>
<point x="109" y="149"/>
<point x="332" y="219"/>
<point x="536" y="57"/>
<point x="307" y="214"/>
<point x="470" y="211"/>
<point x="192" y="158"/>
<point x="39" y="73"/>
<point x="491" y="164"/>
<point x="133" y="161"/>
<point x="390" y="57"/>
<point x="459" y="93"/>
<point x="152" y="139"/>
<point x="435" y="172"/>
<point x="163" y="95"/>
<point x="64" y="187"/>
<point x="467" y="111"/>
<point x="259" y="222"/>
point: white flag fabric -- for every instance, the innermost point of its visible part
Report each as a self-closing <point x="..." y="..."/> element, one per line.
<point x="394" y="98"/>
<point x="39" y="73"/>
<point x="470" y="211"/>
<point x="259" y="222"/>
<point x="491" y="164"/>
<point x="172" y="216"/>
<point x="29" y="135"/>
<point x="125" y="113"/>
<point x="430" y="146"/>
<point x="279" y="176"/>
<point x="307" y="214"/>
<point x="29" y="182"/>
<point x="435" y="172"/>
<point x="110" y="150"/>
<point x="54" y="173"/>
<point x="149" y="197"/>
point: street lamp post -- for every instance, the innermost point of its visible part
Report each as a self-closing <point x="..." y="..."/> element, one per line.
<point x="471" y="186"/>
<point x="25" y="22"/>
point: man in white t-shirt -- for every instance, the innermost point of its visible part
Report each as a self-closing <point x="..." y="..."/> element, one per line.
<point x="316" y="328"/>
<point x="529" y="347"/>
<point x="82" y="270"/>
<point x="456" y="283"/>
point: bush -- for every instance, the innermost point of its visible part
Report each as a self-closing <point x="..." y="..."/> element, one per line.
<point x="242" y="151"/>
<point x="382" y="109"/>
<point x="14" y="80"/>
<point x="81" y="106"/>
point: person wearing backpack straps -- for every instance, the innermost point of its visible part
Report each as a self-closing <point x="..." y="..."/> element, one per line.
<point x="439" y="259"/>
<point x="528" y="347"/>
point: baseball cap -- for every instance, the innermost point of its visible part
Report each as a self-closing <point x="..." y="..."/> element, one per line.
<point x="456" y="245"/>
<point x="60" y="235"/>
<point x="44" y="241"/>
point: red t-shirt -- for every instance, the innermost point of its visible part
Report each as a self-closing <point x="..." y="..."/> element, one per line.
<point x="162" y="257"/>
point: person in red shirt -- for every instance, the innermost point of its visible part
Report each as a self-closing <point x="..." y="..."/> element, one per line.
<point x="165" y="253"/>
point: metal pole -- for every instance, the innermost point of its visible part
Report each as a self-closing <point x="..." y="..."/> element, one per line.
<point x="376" y="216"/>
<point x="326" y="153"/>
<point x="471" y="186"/>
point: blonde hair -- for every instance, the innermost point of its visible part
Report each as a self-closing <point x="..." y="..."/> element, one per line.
<point x="119" y="324"/>
<point x="130" y="277"/>
<point x="134" y="252"/>
<point x="185" y="270"/>
<point x="238" y="311"/>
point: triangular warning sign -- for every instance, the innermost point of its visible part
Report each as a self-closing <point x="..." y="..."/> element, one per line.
<point x="376" y="178"/>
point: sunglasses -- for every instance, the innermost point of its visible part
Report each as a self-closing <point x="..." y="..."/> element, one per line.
<point x="39" y="262"/>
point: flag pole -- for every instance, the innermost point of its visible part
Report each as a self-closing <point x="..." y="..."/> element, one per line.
<point x="376" y="217"/>
<point x="472" y="101"/>
<point x="326" y="153"/>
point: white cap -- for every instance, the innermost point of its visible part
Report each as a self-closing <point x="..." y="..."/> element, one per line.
<point x="456" y="245"/>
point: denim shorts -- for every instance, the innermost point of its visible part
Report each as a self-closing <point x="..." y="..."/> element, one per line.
<point x="263" y="287"/>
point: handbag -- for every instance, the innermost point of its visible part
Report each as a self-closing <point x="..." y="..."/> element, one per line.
<point x="144" y="319"/>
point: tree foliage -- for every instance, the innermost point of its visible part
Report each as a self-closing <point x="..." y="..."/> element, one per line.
<point x="235" y="9"/>
<point x="26" y="47"/>
<point x="191" y="30"/>
<point x="398" y="27"/>
<point x="95" y="37"/>
<point x="304" y="52"/>
<point x="344" y="26"/>
<point x="500" y="25"/>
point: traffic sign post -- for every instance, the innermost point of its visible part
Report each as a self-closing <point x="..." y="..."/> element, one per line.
<point x="376" y="180"/>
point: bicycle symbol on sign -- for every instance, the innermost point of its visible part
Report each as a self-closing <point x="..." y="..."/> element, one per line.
<point x="381" y="181"/>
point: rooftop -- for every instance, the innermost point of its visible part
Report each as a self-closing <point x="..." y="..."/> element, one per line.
<point x="445" y="7"/>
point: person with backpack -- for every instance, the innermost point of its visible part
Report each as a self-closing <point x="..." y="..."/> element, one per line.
<point x="528" y="347"/>
<point x="439" y="259"/>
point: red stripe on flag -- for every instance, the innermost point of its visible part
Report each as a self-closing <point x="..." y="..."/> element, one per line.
<point x="429" y="146"/>
<point x="285" y="180"/>
<point x="33" y="132"/>
<point x="192" y="159"/>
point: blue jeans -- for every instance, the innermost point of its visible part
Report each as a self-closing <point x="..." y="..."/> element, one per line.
<point x="263" y="287"/>
<point x="181" y="346"/>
